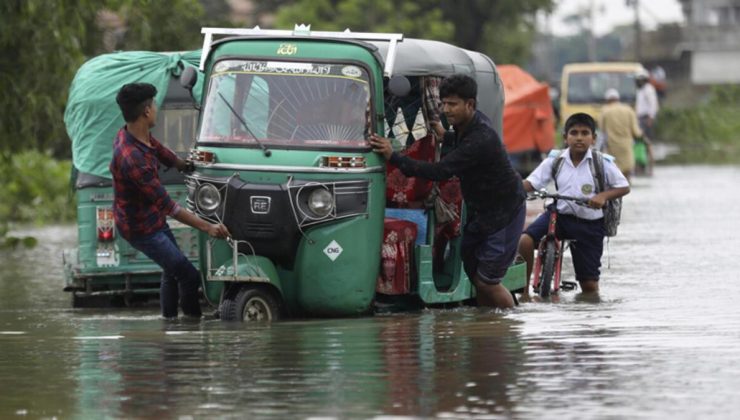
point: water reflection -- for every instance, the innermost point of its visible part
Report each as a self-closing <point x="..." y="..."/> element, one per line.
<point x="660" y="341"/>
<point x="139" y="366"/>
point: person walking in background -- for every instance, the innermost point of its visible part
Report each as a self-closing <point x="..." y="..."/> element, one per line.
<point x="141" y="204"/>
<point x="646" y="103"/>
<point x="646" y="107"/>
<point x="618" y="122"/>
<point x="492" y="189"/>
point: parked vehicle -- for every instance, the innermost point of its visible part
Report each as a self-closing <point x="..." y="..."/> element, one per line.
<point x="529" y="120"/>
<point x="104" y="268"/>
<point x="583" y="86"/>
<point x="282" y="159"/>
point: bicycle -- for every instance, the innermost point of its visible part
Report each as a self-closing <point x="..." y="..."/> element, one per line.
<point x="549" y="261"/>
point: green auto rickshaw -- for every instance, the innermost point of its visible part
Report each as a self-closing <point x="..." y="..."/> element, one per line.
<point x="104" y="269"/>
<point x="319" y="224"/>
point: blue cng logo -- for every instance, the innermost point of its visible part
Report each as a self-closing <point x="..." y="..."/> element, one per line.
<point x="333" y="250"/>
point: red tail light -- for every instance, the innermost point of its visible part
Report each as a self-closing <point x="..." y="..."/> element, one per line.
<point x="106" y="225"/>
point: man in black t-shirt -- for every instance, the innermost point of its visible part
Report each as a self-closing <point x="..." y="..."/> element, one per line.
<point x="492" y="189"/>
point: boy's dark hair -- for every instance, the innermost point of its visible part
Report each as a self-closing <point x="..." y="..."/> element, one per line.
<point x="133" y="98"/>
<point x="461" y="85"/>
<point x="580" y="118"/>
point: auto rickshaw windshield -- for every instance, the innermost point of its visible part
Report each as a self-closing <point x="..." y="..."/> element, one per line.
<point x="288" y="104"/>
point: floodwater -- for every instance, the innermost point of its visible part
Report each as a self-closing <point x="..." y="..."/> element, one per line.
<point x="661" y="341"/>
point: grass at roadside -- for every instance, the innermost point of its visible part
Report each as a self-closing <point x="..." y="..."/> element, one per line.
<point x="35" y="189"/>
<point x="708" y="132"/>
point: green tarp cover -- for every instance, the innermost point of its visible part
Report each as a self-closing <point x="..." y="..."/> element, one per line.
<point x="92" y="116"/>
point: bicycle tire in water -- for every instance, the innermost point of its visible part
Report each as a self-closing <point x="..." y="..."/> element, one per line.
<point x="548" y="269"/>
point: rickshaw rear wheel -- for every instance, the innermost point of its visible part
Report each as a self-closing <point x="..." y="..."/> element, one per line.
<point x="250" y="304"/>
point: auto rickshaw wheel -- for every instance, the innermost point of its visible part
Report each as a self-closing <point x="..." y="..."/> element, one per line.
<point x="250" y="304"/>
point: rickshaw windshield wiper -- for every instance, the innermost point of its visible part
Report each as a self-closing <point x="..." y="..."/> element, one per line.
<point x="265" y="150"/>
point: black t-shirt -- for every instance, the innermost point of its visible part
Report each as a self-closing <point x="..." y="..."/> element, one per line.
<point x="492" y="189"/>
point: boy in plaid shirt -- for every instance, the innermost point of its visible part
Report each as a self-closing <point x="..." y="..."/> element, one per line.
<point x="141" y="204"/>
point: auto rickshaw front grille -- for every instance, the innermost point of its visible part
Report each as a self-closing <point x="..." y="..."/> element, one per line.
<point x="255" y="229"/>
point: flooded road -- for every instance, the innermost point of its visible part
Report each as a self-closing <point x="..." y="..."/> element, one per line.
<point x="662" y="340"/>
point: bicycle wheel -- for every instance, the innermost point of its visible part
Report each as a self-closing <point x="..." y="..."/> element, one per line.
<point x="548" y="269"/>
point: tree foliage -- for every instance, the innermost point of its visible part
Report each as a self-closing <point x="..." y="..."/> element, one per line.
<point x="44" y="42"/>
<point x="367" y="16"/>
<point x="502" y="29"/>
<point x="42" y="46"/>
<point x="172" y="25"/>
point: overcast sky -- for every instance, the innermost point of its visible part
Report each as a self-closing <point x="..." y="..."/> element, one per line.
<point x="610" y="13"/>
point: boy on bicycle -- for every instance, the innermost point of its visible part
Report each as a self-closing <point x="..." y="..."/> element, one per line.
<point x="583" y="224"/>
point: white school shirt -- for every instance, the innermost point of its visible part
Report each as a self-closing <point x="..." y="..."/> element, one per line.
<point x="577" y="181"/>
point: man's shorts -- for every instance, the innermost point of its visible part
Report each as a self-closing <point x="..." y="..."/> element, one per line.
<point x="489" y="254"/>
<point x="588" y="246"/>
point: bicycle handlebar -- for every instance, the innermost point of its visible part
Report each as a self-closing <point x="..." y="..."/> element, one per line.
<point x="544" y="194"/>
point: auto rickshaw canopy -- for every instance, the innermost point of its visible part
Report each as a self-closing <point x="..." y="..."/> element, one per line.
<point x="423" y="57"/>
<point x="92" y="116"/>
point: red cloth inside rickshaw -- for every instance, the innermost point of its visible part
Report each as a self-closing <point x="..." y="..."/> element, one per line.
<point x="409" y="192"/>
<point x="396" y="257"/>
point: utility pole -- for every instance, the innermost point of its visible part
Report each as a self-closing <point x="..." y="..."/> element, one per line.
<point x="635" y="4"/>
<point x="591" y="38"/>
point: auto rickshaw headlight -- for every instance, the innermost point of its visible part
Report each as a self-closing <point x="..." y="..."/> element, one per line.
<point x="321" y="202"/>
<point x="207" y="199"/>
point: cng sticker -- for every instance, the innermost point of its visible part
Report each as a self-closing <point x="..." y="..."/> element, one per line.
<point x="333" y="250"/>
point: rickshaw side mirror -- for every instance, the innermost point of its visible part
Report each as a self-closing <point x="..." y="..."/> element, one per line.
<point x="188" y="78"/>
<point x="399" y="86"/>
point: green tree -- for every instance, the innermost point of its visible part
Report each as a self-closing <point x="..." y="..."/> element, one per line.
<point x="43" y="43"/>
<point x="42" y="46"/>
<point x="501" y="28"/>
<point x="367" y="16"/>
<point x="504" y="29"/>
<point x="172" y="25"/>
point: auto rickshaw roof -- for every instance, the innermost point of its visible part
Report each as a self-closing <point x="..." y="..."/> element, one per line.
<point x="422" y="57"/>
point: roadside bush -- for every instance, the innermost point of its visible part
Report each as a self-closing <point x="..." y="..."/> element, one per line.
<point x="706" y="133"/>
<point x="35" y="189"/>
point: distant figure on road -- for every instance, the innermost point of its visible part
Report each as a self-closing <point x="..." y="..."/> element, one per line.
<point x="646" y="107"/>
<point x="619" y="124"/>
<point x="646" y="103"/>
<point x="658" y="80"/>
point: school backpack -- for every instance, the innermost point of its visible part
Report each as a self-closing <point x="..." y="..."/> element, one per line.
<point x="613" y="208"/>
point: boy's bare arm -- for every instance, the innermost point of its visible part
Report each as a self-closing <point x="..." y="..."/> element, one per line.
<point x="216" y="230"/>
<point x="527" y="186"/>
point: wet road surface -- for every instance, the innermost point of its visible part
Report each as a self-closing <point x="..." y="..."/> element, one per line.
<point x="661" y="341"/>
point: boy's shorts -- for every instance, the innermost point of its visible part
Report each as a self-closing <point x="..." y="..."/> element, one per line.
<point x="588" y="246"/>
<point x="489" y="254"/>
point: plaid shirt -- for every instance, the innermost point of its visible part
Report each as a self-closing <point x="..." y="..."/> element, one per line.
<point x="141" y="203"/>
